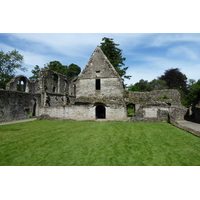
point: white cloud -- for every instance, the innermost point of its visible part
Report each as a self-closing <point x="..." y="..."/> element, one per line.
<point x="159" y="40"/>
<point x="152" y="67"/>
<point x="184" y="52"/>
<point x="66" y="44"/>
<point x="39" y="49"/>
<point x="5" y="47"/>
<point x="30" y="59"/>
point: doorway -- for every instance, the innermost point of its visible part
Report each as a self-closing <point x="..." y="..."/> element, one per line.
<point x="100" y="112"/>
<point x="34" y="107"/>
<point x="130" y="110"/>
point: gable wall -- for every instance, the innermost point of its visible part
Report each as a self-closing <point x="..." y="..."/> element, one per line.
<point x="110" y="87"/>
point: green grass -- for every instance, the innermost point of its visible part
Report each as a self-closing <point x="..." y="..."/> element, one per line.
<point x="70" y="143"/>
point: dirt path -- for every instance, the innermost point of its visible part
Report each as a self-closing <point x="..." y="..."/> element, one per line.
<point x="17" y="121"/>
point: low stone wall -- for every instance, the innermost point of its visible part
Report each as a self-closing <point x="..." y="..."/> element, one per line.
<point x="170" y="97"/>
<point x="159" y="113"/>
<point x="17" y="105"/>
<point x="84" y="112"/>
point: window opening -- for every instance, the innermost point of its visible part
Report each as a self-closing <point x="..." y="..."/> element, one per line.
<point x="130" y="110"/>
<point x="98" y="84"/>
<point x="34" y="107"/>
<point x="54" y="82"/>
<point x="21" y="85"/>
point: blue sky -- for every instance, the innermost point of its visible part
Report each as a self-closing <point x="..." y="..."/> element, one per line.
<point x="147" y="55"/>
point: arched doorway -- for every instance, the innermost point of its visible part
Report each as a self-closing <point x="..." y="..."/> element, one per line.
<point x="100" y="112"/>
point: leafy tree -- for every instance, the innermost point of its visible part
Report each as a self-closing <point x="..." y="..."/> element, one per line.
<point x="35" y="72"/>
<point x="158" y="84"/>
<point x="194" y="93"/>
<point x="73" y="70"/>
<point x="114" y="55"/>
<point x="9" y="63"/>
<point x="175" y="79"/>
<point x="141" y="86"/>
<point x="70" y="71"/>
<point x="145" y="86"/>
<point x="57" y="67"/>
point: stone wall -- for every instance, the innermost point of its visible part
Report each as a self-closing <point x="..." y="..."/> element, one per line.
<point x="110" y="87"/>
<point x="98" y="91"/>
<point x="16" y="105"/>
<point x="84" y="112"/>
<point x="170" y="97"/>
<point x="99" y="78"/>
<point x="53" y="82"/>
<point x="156" y="106"/>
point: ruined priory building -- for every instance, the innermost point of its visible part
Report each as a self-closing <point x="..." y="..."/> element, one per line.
<point x="97" y="94"/>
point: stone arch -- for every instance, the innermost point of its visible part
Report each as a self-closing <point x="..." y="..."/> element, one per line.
<point x="21" y="84"/>
<point x="100" y="111"/>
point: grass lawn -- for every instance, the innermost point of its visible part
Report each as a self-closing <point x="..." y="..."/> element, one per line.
<point x="70" y="143"/>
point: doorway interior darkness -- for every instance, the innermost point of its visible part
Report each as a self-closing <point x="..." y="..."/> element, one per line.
<point x="34" y="107"/>
<point x="100" y="112"/>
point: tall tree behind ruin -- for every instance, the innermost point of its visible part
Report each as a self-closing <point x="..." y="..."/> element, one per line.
<point x="114" y="55"/>
<point x="70" y="71"/>
<point x="175" y="79"/>
<point x="9" y="62"/>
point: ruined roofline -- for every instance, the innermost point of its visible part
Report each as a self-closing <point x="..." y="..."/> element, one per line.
<point x="57" y="73"/>
<point x="153" y="91"/>
<point x="14" y="79"/>
<point x="99" y="48"/>
<point x="105" y="58"/>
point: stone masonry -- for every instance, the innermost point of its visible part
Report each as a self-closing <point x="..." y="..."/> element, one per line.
<point x="97" y="94"/>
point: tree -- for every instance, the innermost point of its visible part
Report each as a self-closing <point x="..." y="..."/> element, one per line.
<point x="194" y="93"/>
<point x="175" y="79"/>
<point x="114" y="55"/>
<point x="35" y="72"/>
<point x="57" y="67"/>
<point x="70" y="71"/>
<point x="158" y="84"/>
<point x="141" y="86"/>
<point x="145" y="86"/>
<point x="9" y="63"/>
<point x="73" y="70"/>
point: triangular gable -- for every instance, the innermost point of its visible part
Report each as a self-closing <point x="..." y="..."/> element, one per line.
<point x="99" y="66"/>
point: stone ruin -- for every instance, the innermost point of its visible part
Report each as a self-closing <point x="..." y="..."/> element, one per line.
<point x="97" y="94"/>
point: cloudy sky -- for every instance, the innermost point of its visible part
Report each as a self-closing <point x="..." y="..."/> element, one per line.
<point x="147" y="55"/>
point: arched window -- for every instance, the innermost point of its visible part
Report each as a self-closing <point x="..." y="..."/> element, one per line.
<point x="100" y="112"/>
<point x="21" y="85"/>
